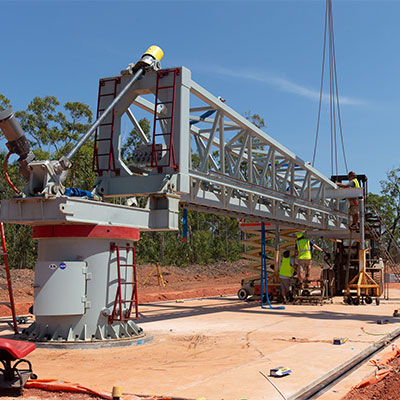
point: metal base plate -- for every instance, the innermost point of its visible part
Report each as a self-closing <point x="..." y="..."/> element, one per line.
<point x="93" y="344"/>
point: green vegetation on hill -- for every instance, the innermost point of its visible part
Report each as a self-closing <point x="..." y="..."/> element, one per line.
<point x="52" y="130"/>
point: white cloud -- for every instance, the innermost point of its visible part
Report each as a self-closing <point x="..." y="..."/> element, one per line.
<point x="284" y="85"/>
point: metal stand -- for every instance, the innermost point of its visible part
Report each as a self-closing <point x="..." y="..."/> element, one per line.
<point x="13" y="379"/>
<point x="363" y="282"/>
<point x="159" y="276"/>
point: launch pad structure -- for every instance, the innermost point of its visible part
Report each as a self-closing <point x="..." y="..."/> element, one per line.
<point x="84" y="276"/>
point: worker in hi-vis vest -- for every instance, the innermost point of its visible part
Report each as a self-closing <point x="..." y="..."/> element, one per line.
<point x="285" y="273"/>
<point x="304" y="247"/>
<point x="353" y="202"/>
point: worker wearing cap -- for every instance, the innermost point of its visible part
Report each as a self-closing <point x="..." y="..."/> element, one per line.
<point x="285" y="273"/>
<point x="304" y="247"/>
<point x="353" y="202"/>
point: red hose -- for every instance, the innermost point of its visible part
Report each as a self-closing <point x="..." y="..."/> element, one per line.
<point x="13" y="187"/>
<point x="9" y="285"/>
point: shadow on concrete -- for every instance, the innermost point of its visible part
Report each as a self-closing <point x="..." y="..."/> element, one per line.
<point x="172" y="310"/>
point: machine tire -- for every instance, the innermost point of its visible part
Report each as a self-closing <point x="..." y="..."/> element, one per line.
<point x="33" y="376"/>
<point x="349" y="300"/>
<point x="305" y="292"/>
<point x="242" y="294"/>
<point x="368" y="299"/>
<point x="377" y="301"/>
<point x="356" y="301"/>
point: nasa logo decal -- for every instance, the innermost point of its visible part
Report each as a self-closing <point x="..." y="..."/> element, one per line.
<point x="63" y="266"/>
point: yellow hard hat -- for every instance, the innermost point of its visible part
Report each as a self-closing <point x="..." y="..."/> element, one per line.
<point x="299" y="234"/>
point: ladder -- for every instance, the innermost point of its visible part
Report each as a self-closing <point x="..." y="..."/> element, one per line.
<point x="166" y="122"/>
<point x="103" y="146"/>
<point x="10" y="292"/>
<point x="120" y="312"/>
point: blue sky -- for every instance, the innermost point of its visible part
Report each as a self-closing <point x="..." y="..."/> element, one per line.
<point x="263" y="56"/>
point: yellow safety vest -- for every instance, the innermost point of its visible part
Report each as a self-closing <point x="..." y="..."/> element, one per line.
<point x="304" y="248"/>
<point x="286" y="269"/>
<point x="357" y="185"/>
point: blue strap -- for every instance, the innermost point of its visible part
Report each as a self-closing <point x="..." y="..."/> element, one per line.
<point x="203" y="116"/>
<point x="264" y="277"/>
<point x="184" y="225"/>
<point x="75" y="192"/>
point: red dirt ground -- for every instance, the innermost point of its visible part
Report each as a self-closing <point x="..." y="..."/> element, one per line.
<point x="387" y="389"/>
<point x="180" y="283"/>
<point x="189" y="282"/>
<point x="36" y="394"/>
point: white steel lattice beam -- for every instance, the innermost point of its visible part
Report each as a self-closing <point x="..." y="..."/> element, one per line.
<point x="240" y="169"/>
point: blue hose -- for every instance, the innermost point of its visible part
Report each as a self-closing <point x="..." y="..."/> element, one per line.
<point x="75" y="192"/>
<point x="264" y="277"/>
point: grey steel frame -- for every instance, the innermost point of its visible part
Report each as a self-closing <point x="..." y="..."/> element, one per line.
<point x="241" y="171"/>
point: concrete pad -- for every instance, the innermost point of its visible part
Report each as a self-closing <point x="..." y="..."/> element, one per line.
<point x="215" y="348"/>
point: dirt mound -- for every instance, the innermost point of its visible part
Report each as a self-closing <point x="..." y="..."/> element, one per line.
<point x="22" y="284"/>
<point x="36" y="394"/>
<point x="387" y="389"/>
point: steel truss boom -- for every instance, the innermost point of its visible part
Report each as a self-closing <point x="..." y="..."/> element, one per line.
<point x="226" y="165"/>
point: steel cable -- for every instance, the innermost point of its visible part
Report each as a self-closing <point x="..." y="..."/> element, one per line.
<point x="321" y="89"/>
<point x="334" y="103"/>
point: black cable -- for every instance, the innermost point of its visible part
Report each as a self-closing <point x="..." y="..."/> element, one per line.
<point x="321" y="88"/>
<point x="334" y="103"/>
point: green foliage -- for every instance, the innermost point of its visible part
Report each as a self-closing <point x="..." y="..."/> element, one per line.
<point x="16" y="178"/>
<point x="42" y="123"/>
<point x="388" y="203"/>
<point x="129" y="146"/>
<point x="211" y="238"/>
<point x="133" y="140"/>
<point x="196" y="160"/>
<point x="52" y="131"/>
<point x="81" y="174"/>
<point x="4" y="102"/>
<point x="21" y="248"/>
<point x="255" y="119"/>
